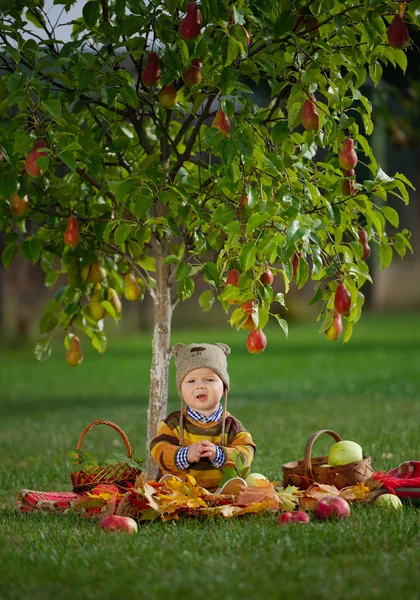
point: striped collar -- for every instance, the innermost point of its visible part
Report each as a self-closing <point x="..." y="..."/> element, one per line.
<point x="213" y="418"/>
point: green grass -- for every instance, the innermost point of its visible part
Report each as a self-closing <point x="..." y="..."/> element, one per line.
<point x="367" y="391"/>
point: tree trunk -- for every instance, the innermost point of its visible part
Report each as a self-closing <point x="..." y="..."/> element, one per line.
<point x="159" y="372"/>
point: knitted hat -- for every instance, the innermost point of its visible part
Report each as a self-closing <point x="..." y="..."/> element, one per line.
<point x="199" y="356"/>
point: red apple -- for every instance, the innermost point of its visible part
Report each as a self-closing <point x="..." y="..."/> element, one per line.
<point x="116" y="523"/>
<point x="330" y="507"/>
<point x="256" y="342"/>
<point x="105" y="488"/>
<point x="296" y="516"/>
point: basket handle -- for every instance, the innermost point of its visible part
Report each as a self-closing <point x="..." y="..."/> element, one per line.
<point x="110" y="424"/>
<point x="308" y="449"/>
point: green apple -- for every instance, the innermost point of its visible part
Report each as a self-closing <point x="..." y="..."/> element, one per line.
<point x="253" y="479"/>
<point x="388" y="501"/>
<point x="344" y="452"/>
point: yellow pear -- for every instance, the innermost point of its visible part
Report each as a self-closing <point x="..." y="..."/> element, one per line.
<point x="132" y="291"/>
<point x="93" y="273"/>
<point x="74" y="354"/>
<point x="114" y="300"/>
<point x="95" y="308"/>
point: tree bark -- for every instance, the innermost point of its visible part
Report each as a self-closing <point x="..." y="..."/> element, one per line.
<point x="159" y="372"/>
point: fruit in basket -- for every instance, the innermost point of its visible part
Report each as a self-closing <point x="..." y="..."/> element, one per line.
<point x="330" y="507"/>
<point x="116" y="523"/>
<point x="296" y="516"/>
<point x="388" y="501"/>
<point x="344" y="452"/>
<point x="105" y="488"/>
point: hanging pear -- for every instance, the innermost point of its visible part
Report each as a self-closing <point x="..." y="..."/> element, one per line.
<point x="336" y="329"/>
<point x="192" y="75"/>
<point x="342" y="300"/>
<point x="151" y="73"/>
<point x="348" y="184"/>
<point x="95" y="308"/>
<point x="132" y="291"/>
<point x="310" y="117"/>
<point x="19" y="206"/>
<point x="397" y="33"/>
<point x="221" y="122"/>
<point x="168" y="97"/>
<point x="30" y="163"/>
<point x="348" y="157"/>
<point x="72" y="235"/>
<point x="74" y="354"/>
<point x="191" y="24"/>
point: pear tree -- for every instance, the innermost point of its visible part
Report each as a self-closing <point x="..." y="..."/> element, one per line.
<point x="168" y="141"/>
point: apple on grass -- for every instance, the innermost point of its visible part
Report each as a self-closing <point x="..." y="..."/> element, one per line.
<point x="388" y="501"/>
<point x="296" y="516"/>
<point x="254" y="478"/>
<point x="116" y="523"/>
<point x="344" y="452"/>
<point x="330" y="507"/>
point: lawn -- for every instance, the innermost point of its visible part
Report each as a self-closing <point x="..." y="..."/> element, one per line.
<point x="367" y="391"/>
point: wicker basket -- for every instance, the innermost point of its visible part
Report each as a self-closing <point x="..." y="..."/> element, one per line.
<point x="119" y="474"/>
<point x="303" y="473"/>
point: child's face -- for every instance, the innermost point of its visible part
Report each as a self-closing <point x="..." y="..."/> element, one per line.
<point x="202" y="389"/>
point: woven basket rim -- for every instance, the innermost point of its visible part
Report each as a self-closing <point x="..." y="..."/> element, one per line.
<point x="291" y="466"/>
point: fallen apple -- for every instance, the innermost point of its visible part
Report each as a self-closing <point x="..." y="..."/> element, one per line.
<point x="344" y="452"/>
<point x="253" y="479"/>
<point x="116" y="523"/>
<point x="388" y="501"/>
<point x="330" y="507"/>
<point x="296" y="516"/>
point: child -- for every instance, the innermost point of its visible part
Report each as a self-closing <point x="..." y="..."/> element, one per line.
<point x="200" y="438"/>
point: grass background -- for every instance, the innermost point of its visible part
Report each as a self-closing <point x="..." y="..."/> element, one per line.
<point x="367" y="391"/>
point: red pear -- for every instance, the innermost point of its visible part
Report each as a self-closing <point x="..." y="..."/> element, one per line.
<point x="74" y="354"/>
<point x="221" y="122"/>
<point x="249" y="308"/>
<point x="151" y="73"/>
<point x="243" y="200"/>
<point x="336" y="329"/>
<point x="310" y="118"/>
<point x="191" y="24"/>
<point x="72" y="235"/>
<point x="348" y="185"/>
<point x="256" y="342"/>
<point x="233" y="277"/>
<point x="167" y="96"/>
<point x="342" y="300"/>
<point x="348" y="157"/>
<point x="363" y="238"/>
<point x="267" y="278"/>
<point x="19" y="206"/>
<point x="295" y="263"/>
<point x="30" y="164"/>
<point x="398" y="33"/>
<point x="192" y="75"/>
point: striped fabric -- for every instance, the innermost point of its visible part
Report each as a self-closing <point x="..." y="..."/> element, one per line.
<point x="171" y="457"/>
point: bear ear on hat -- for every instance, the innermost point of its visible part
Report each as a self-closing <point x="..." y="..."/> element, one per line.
<point x="225" y="348"/>
<point x="177" y="349"/>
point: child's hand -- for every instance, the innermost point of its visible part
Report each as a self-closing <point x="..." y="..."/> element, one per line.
<point x="195" y="452"/>
<point x="208" y="450"/>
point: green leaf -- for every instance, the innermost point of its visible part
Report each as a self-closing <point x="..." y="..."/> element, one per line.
<point x="303" y="273"/>
<point x="233" y="50"/>
<point x="256" y="221"/>
<point x="229" y="151"/>
<point x="185" y="288"/>
<point x="228" y="80"/>
<point x="91" y="13"/>
<point x="47" y="323"/>
<point x="31" y="249"/>
<point x="283" y="324"/>
<point x="122" y="233"/>
<point x="69" y="159"/>
<point x="53" y="107"/>
<point x="33" y="18"/>
<point x="182" y="271"/>
<point x="99" y="341"/>
<point x="130" y="96"/>
<point x="247" y="256"/>
<point x="391" y="215"/>
<point x="206" y="300"/>
<point x="211" y="273"/>
<point x="43" y="349"/>
<point x="385" y="254"/>
<point x="9" y="254"/>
